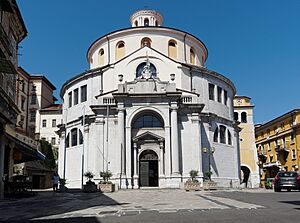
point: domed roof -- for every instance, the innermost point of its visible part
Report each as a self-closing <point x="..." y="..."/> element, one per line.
<point x="146" y="17"/>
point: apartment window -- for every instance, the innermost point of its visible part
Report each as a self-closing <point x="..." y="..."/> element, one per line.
<point x="271" y="158"/>
<point x="211" y="91"/>
<point x="23" y="85"/>
<point x="146" y="22"/>
<point x="53" y="141"/>
<point x="192" y="56"/>
<point x="172" y="49"/>
<point x="76" y="96"/>
<point x="244" y="117"/>
<point x="101" y="57"/>
<point x="269" y="146"/>
<point x="53" y="122"/>
<point x="219" y="94"/>
<point x="80" y="138"/>
<point x="33" y="88"/>
<point x="74" y="136"/>
<point x="44" y="123"/>
<point x="216" y="134"/>
<point x="236" y="116"/>
<point x="225" y="97"/>
<point x="222" y="134"/>
<point x="23" y="104"/>
<point x="83" y="92"/>
<point x="229" y="138"/>
<point x="33" y="99"/>
<point x="70" y="99"/>
<point x="292" y="138"/>
<point x="68" y="141"/>
<point x="120" y="50"/>
<point x="283" y="142"/>
<point x="293" y="154"/>
<point x="146" y="42"/>
<point x="32" y="116"/>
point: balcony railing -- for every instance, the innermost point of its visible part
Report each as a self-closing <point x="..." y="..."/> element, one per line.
<point x="108" y="101"/>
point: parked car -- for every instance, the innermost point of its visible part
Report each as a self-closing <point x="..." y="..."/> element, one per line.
<point x="287" y="180"/>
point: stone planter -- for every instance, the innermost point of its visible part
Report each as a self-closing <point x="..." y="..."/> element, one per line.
<point x="62" y="188"/>
<point x="90" y="188"/>
<point x="209" y="185"/>
<point x="192" y="186"/>
<point x="106" y="188"/>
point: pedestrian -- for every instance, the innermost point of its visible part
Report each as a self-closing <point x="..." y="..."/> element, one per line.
<point x="55" y="180"/>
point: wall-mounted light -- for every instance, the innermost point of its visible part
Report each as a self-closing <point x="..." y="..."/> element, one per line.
<point x="120" y="77"/>
<point x="172" y="77"/>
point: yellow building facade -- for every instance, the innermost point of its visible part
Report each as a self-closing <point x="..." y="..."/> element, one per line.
<point x="278" y="145"/>
<point x="243" y="114"/>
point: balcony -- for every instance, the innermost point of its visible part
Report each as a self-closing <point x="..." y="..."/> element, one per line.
<point x="277" y="164"/>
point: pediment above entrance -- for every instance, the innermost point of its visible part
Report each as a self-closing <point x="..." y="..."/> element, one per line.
<point x="148" y="136"/>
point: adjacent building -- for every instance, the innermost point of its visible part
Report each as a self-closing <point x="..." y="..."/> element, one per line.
<point x="149" y="111"/>
<point x="243" y="113"/>
<point x="277" y="142"/>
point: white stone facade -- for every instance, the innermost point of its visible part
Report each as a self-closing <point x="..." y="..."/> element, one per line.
<point x="144" y="112"/>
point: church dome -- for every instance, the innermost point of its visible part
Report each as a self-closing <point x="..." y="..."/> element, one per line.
<point x="146" y="17"/>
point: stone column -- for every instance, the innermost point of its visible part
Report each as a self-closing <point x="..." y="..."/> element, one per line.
<point x="174" y="139"/>
<point x="121" y="130"/>
<point x="2" y="150"/>
<point x="135" y="166"/>
<point x="162" y="160"/>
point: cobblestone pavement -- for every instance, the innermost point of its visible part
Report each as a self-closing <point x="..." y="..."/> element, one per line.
<point x="50" y="205"/>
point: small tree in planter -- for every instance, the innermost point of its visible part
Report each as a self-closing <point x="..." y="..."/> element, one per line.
<point x="209" y="185"/>
<point x="90" y="186"/>
<point x="192" y="183"/>
<point x="106" y="185"/>
<point x="62" y="184"/>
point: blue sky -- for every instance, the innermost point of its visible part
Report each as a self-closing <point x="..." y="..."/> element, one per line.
<point x="255" y="43"/>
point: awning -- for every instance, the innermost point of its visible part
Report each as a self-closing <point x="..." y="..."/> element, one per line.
<point x="24" y="152"/>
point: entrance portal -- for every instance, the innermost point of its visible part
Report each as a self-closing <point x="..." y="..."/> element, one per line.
<point x="148" y="174"/>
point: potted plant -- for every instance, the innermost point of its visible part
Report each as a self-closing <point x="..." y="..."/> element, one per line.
<point x="90" y="186"/>
<point x="208" y="184"/>
<point x="62" y="184"/>
<point x="105" y="185"/>
<point x="192" y="183"/>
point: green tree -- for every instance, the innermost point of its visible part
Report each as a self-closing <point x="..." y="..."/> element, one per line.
<point x="46" y="149"/>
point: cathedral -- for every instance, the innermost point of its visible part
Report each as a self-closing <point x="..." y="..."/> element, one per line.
<point x="149" y="111"/>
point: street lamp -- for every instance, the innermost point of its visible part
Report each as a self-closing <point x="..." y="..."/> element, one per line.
<point x="210" y="151"/>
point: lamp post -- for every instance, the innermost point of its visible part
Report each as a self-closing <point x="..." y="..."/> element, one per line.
<point x="209" y="151"/>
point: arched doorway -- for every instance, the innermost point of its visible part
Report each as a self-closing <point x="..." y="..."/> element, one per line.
<point x="148" y="169"/>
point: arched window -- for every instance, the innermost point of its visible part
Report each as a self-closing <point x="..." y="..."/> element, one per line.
<point x="74" y="137"/>
<point x="222" y="134"/>
<point x="136" y="23"/>
<point x="172" y="49"/>
<point x="120" y="50"/>
<point x="141" y="67"/>
<point x="68" y="141"/>
<point x="192" y="56"/>
<point x="101" y="57"/>
<point x="80" y="138"/>
<point x="229" y="137"/>
<point x="147" y="121"/>
<point x="156" y="23"/>
<point x="216" y="134"/>
<point x="244" y="117"/>
<point x="146" y="22"/>
<point x="236" y="116"/>
<point x="146" y="42"/>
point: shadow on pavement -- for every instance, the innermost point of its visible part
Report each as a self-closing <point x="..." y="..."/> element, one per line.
<point x="48" y="203"/>
<point x="291" y="202"/>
